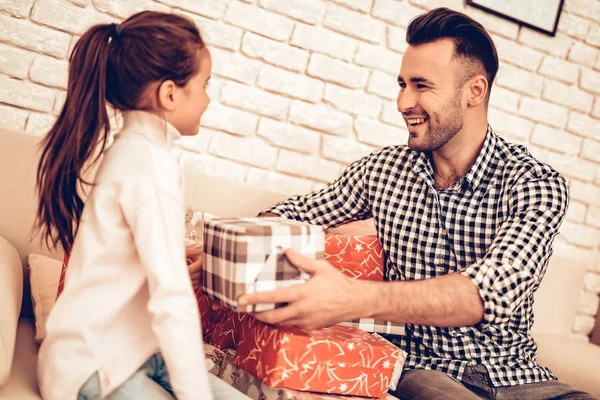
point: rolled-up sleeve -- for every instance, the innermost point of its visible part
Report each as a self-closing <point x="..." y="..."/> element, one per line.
<point x="344" y="199"/>
<point x="516" y="261"/>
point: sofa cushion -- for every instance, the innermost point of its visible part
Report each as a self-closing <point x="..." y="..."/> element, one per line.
<point x="557" y="298"/>
<point x="19" y="155"/>
<point x="11" y="280"/>
<point x="44" y="274"/>
<point x="22" y="384"/>
<point x="573" y="361"/>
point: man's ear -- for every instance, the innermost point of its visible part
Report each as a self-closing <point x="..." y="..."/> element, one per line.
<point x="477" y="90"/>
<point x="167" y="95"/>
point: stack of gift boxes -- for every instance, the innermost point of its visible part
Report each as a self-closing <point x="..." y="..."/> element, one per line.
<point x="246" y="255"/>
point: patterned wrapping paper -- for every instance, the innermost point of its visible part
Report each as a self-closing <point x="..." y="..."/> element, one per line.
<point x="359" y="257"/>
<point x="246" y="255"/>
<point x="335" y="360"/>
<point x="257" y="390"/>
<point x="208" y="316"/>
<point x="226" y="329"/>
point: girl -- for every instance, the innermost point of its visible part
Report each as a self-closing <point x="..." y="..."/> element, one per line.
<point x="127" y="314"/>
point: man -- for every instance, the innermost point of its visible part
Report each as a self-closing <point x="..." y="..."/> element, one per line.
<point x="467" y="222"/>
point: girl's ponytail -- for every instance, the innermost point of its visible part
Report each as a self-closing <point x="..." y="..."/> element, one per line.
<point x="81" y="127"/>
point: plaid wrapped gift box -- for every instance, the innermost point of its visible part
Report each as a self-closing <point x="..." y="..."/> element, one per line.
<point x="246" y="255"/>
<point x="335" y="360"/>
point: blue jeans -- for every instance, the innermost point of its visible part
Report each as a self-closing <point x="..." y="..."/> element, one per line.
<point x="427" y="384"/>
<point x="151" y="382"/>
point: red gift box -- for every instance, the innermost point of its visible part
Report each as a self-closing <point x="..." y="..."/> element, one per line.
<point x="360" y="257"/>
<point x="339" y="359"/>
<point x="227" y="328"/>
<point x="220" y="327"/>
<point x="207" y="314"/>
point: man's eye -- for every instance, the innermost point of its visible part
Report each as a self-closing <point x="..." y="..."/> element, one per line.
<point x="402" y="85"/>
<point x="419" y="86"/>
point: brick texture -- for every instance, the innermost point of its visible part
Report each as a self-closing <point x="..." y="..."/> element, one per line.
<point x="274" y="52"/>
<point x="355" y="24"/>
<point x="16" y="8"/>
<point x="288" y="136"/>
<point x="15" y="62"/>
<point x="290" y="84"/>
<point x="301" y="88"/>
<point x="377" y="57"/>
<point x="307" y="166"/>
<point x="396" y="39"/>
<point x="340" y="72"/>
<point x="352" y="101"/>
<point x="309" y="11"/>
<point x="259" y="21"/>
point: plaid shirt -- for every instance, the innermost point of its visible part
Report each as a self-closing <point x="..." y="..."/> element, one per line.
<point x="496" y="226"/>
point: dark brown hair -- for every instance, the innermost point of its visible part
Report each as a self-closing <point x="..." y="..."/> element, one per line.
<point x="112" y="65"/>
<point x="471" y="41"/>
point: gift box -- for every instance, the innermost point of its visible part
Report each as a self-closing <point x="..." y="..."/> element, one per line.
<point x="335" y="360"/>
<point x="226" y="329"/>
<point x="207" y="315"/>
<point x="246" y="255"/>
<point x="252" y="387"/>
<point x="376" y="326"/>
<point x="360" y="257"/>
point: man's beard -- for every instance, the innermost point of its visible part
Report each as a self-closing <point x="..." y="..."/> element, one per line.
<point x="442" y="128"/>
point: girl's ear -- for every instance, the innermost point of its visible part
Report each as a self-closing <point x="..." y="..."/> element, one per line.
<point x="167" y="96"/>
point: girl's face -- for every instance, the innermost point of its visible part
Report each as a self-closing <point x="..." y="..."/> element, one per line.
<point x="192" y="99"/>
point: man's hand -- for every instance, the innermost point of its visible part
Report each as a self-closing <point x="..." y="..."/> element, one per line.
<point x="329" y="297"/>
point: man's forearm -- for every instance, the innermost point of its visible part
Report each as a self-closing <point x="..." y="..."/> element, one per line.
<point x="267" y="215"/>
<point x="448" y="301"/>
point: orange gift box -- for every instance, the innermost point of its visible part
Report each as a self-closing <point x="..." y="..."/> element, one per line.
<point x="335" y="360"/>
<point x="360" y="257"/>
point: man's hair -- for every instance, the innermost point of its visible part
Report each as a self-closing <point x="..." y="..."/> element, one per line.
<point x="471" y="41"/>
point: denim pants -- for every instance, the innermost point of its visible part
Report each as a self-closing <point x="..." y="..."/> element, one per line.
<point x="476" y="384"/>
<point x="151" y="382"/>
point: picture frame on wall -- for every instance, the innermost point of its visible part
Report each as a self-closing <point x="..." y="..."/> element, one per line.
<point x="540" y="15"/>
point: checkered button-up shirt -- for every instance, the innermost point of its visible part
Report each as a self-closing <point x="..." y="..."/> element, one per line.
<point x="496" y="226"/>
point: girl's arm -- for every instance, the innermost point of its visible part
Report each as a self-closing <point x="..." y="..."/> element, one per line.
<point x="157" y="223"/>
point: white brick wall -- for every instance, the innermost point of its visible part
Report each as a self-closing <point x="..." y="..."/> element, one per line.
<point x="301" y="88"/>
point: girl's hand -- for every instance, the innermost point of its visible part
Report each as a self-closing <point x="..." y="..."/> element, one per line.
<point x="193" y="254"/>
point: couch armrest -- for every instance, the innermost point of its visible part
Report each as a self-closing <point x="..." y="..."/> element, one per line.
<point x="11" y="292"/>
<point x="573" y="361"/>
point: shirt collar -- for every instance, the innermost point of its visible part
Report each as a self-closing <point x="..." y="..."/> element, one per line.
<point x="150" y="126"/>
<point x="479" y="170"/>
<point x="484" y="162"/>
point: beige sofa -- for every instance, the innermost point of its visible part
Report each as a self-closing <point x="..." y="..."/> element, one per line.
<point x="574" y="362"/>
